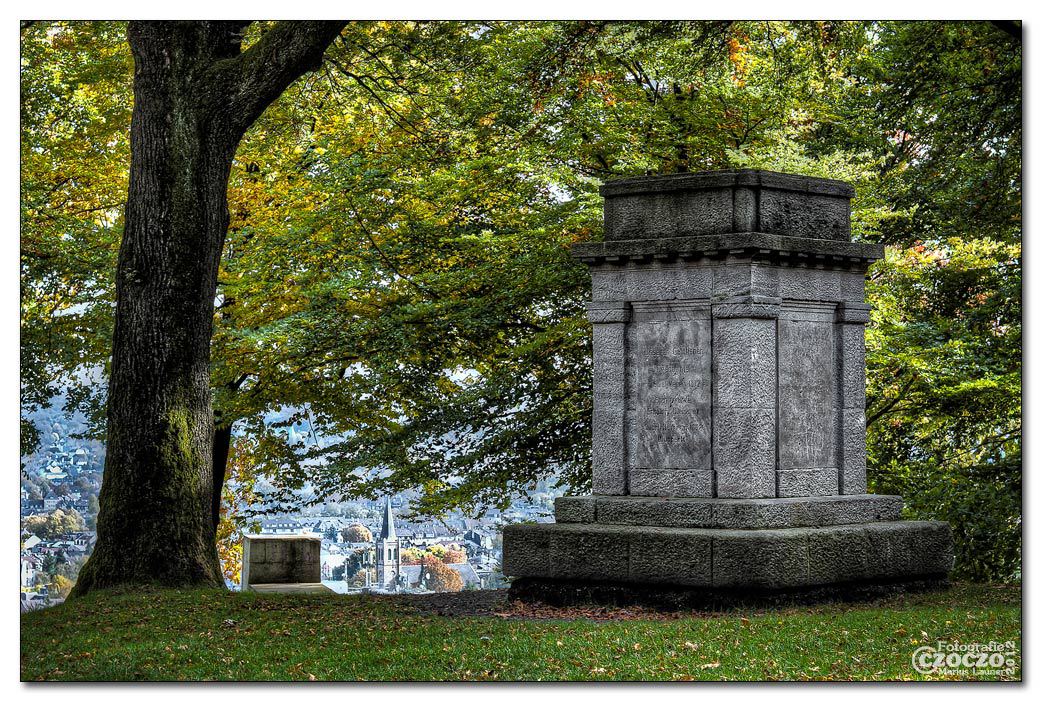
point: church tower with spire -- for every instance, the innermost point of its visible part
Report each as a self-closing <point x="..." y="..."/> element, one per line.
<point x="388" y="554"/>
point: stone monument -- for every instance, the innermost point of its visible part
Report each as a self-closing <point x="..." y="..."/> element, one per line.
<point x="728" y="320"/>
<point x="288" y="563"/>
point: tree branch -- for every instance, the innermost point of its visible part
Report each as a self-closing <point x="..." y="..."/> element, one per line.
<point x="1011" y="28"/>
<point x="256" y="77"/>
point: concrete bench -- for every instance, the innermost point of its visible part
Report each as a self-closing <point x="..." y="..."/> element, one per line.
<point x="287" y="563"/>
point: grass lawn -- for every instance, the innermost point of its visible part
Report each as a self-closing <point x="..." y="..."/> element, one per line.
<point x="208" y="635"/>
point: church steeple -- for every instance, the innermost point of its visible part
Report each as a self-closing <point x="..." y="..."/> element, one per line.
<point x="388" y="554"/>
<point x="387" y="526"/>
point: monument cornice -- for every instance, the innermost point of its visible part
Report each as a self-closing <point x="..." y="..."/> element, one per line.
<point x="791" y="249"/>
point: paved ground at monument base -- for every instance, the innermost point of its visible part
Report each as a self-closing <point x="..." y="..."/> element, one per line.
<point x="211" y="635"/>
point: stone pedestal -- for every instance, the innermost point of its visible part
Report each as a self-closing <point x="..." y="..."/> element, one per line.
<point x="282" y="563"/>
<point x="728" y="321"/>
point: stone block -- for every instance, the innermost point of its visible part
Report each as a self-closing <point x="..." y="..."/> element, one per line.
<point x="849" y="509"/>
<point x="281" y="559"/>
<point x="732" y="278"/>
<point x="664" y="214"/>
<point x="727" y="201"/>
<point x="845" y="554"/>
<point x="744" y="366"/>
<point x="667" y="441"/>
<point x="806" y="400"/>
<point x="852" y="286"/>
<point x="851" y="365"/>
<point x="718" y="513"/>
<point x="765" y="559"/>
<point x="655" y="284"/>
<point x="747" y="307"/>
<point x="608" y="284"/>
<point x="808" y="215"/>
<point x="852" y="463"/>
<point x="527" y="550"/>
<point x="671" y="483"/>
<point x="811" y="284"/>
<point x="815" y="482"/>
<point x="671" y="556"/>
<point x="588" y="552"/>
<point x="608" y="312"/>
<point x="275" y="551"/>
<point x="608" y="453"/>
<point x="609" y="364"/>
<point x="744" y="452"/>
<point x="764" y="280"/>
<point x="654" y="512"/>
<point x="575" y="509"/>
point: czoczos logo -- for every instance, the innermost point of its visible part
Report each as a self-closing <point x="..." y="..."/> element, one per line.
<point x="964" y="659"/>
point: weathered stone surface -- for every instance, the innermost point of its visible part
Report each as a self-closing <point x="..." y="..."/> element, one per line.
<point x="608" y="311"/>
<point x="893" y="550"/>
<point x="744" y="452"/>
<point x="806" y="409"/>
<point x="670" y="556"/>
<point x="281" y="559"/>
<point x="609" y="365"/>
<point x="816" y="216"/>
<point x="853" y="286"/>
<point x="576" y="510"/>
<point x="668" y="400"/>
<point x="720" y="202"/>
<point x="742" y="278"/>
<point x="824" y="285"/>
<point x="669" y="483"/>
<point x="653" y="282"/>
<point x="852" y="477"/>
<point x="851" y="352"/>
<point x="808" y="482"/>
<point x="720" y="513"/>
<point x="609" y="452"/>
<point x="744" y="366"/>
<point x="765" y="559"/>
<point x="749" y="307"/>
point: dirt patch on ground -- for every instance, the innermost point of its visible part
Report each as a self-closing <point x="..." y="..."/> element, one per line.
<point x="469" y="603"/>
<point x="494" y="603"/>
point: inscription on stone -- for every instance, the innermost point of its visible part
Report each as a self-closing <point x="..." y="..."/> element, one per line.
<point x="669" y="394"/>
<point x="806" y="396"/>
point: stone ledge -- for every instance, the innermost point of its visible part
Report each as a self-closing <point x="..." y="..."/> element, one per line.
<point x="722" y="513"/>
<point x="767" y="559"/>
<point x="790" y="249"/>
<point x="290" y="589"/>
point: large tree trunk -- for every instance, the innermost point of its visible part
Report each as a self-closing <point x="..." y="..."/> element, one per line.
<point x="195" y="94"/>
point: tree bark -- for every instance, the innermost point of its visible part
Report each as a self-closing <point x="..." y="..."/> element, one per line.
<point x="195" y="94"/>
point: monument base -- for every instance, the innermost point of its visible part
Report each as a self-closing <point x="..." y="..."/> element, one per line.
<point x="570" y="593"/>
<point x="723" y="561"/>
